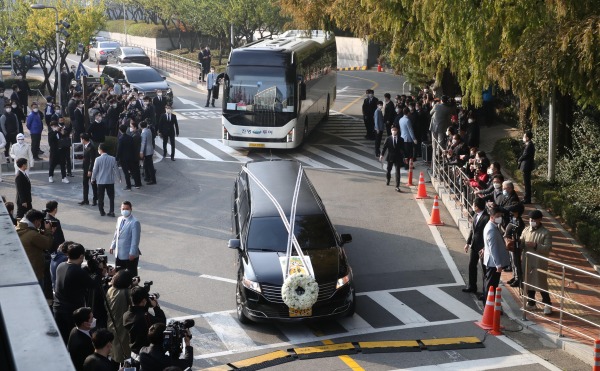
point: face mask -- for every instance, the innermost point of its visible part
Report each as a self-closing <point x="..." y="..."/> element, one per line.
<point x="126" y="213"/>
<point x="114" y="105"/>
<point x="14" y="106"/>
<point x="145" y="104"/>
<point x="397" y="110"/>
<point x="93" y="324"/>
<point x="370" y="95"/>
<point x="159" y="94"/>
<point x="35" y="110"/>
<point x="470" y="121"/>
<point x="498" y="220"/>
<point x="20" y="140"/>
<point x="212" y="71"/>
<point x="454" y="141"/>
<point x="169" y="111"/>
<point x="394" y="133"/>
<point x="379" y="108"/>
<point x="131" y="128"/>
<point x="8" y="110"/>
<point x="505" y="193"/>
<point x="490" y="172"/>
<point x="533" y="224"/>
<point x="447" y="133"/>
<point x="497" y="185"/>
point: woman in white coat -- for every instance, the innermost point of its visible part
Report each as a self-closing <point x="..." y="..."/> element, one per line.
<point x="21" y="150"/>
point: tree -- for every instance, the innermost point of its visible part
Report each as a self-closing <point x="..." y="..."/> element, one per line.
<point x="33" y="31"/>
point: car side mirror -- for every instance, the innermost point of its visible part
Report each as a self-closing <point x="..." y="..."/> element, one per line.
<point x="234" y="244"/>
<point x="346" y="238"/>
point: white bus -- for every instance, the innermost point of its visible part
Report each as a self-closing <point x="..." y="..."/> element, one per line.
<point x="276" y="91"/>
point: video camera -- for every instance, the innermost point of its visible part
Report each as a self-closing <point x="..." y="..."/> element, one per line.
<point x="174" y="334"/>
<point x="94" y="258"/>
<point x="147" y="285"/>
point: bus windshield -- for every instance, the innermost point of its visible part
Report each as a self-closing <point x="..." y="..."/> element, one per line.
<point x="260" y="89"/>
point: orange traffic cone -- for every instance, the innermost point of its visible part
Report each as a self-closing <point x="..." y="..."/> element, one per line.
<point x="410" y="173"/>
<point x="596" y="366"/>
<point x="435" y="213"/>
<point x="422" y="191"/>
<point x="487" y="321"/>
<point x="496" y="328"/>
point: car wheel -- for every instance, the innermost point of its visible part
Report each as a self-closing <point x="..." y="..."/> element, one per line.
<point x="240" y="309"/>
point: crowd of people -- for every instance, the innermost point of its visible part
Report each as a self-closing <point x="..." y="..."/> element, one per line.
<point x="105" y="316"/>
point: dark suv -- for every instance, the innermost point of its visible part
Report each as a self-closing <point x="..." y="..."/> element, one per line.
<point x="139" y="76"/>
<point x="261" y="242"/>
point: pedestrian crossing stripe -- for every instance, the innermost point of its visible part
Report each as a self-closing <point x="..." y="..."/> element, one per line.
<point x="219" y="333"/>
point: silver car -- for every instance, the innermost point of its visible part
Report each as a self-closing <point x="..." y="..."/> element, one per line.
<point x="99" y="50"/>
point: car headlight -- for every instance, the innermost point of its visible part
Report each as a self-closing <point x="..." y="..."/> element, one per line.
<point x="342" y="281"/>
<point x="254" y="286"/>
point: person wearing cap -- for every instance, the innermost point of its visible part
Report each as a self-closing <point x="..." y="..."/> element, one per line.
<point x="21" y="150"/>
<point x="538" y="240"/>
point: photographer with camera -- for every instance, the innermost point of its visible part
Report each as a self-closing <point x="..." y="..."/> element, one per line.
<point x="98" y="269"/>
<point x="153" y="357"/>
<point x="36" y="241"/>
<point x="117" y="303"/>
<point x="72" y="283"/>
<point x="137" y="320"/>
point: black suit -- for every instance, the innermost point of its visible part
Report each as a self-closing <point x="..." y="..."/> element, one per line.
<point x="389" y="114"/>
<point x="78" y="124"/>
<point x="126" y="156"/>
<point x="89" y="157"/>
<point x="168" y="128"/>
<point x="79" y="346"/>
<point x="97" y="362"/>
<point x="476" y="242"/>
<point x="526" y="165"/>
<point x="23" y="185"/>
<point x="395" y="156"/>
<point x="368" y="109"/>
<point x="159" y="104"/>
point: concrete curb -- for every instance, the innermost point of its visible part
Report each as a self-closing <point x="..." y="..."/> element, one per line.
<point x="360" y="68"/>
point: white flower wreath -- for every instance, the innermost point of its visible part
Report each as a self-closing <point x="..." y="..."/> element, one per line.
<point x="300" y="291"/>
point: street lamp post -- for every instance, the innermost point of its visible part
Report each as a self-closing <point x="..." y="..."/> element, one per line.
<point x="57" y="66"/>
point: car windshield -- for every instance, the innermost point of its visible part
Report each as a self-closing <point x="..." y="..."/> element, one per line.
<point x="108" y="45"/>
<point x="260" y="89"/>
<point x="269" y="233"/>
<point x="143" y="75"/>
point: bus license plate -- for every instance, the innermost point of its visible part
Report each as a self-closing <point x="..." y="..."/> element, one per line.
<point x="300" y="312"/>
<point x="257" y="145"/>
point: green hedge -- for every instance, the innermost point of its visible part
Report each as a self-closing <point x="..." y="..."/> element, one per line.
<point x="139" y="29"/>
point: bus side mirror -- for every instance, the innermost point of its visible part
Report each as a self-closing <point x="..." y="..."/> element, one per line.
<point x="302" y="91"/>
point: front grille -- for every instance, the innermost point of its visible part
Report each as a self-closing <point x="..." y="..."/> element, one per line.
<point x="265" y="140"/>
<point x="273" y="292"/>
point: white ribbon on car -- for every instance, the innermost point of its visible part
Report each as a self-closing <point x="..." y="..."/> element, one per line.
<point x="289" y="225"/>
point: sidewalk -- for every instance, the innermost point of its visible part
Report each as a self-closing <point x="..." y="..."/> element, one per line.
<point x="565" y="249"/>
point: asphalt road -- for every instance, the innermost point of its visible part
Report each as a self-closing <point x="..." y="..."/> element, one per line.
<point x="406" y="276"/>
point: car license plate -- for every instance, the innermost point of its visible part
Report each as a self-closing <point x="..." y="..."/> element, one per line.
<point x="300" y="312"/>
<point x="257" y="145"/>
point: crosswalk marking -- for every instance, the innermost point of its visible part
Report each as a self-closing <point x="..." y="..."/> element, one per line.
<point x="400" y="310"/>
<point x="355" y="322"/>
<point x="230" y="151"/>
<point x="198" y="149"/>
<point x="297" y="334"/>
<point x="340" y="161"/>
<point x="449" y="303"/>
<point x="230" y="332"/>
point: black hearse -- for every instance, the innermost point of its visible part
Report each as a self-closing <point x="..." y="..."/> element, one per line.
<point x="260" y="238"/>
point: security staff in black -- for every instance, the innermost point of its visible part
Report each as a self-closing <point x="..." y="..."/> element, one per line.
<point x="475" y="243"/>
<point x="168" y="128"/>
<point x="9" y="124"/>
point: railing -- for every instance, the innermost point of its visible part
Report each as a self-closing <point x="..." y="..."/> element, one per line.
<point x="454" y="180"/>
<point x="171" y="63"/>
<point x="565" y="300"/>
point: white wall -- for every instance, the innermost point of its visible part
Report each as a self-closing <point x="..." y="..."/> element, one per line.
<point x="351" y="52"/>
<point x="159" y="44"/>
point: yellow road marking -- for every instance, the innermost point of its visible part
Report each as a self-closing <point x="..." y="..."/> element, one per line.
<point x="260" y="359"/>
<point x="388" y="344"/>
<point x="346" y="359"/>
<point x="361" y="97"/>
<point x="447" y="341"/>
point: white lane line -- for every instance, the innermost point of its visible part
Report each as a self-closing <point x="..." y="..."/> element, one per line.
<point x="198" y="149"/>
<point x="408" y="288"/>
<point x="230" y="332"/>
<point x="480" y="364"/>
<point x="511" y="343"/>
<point x="309" y="161"/>
<point x="181" y="155"/>
<point x="355" y="322"/>
<point x="199" y="315"/>
<point x="333" y="158"/>
<point x="441" y="245"/>
<point x="297" y="334"/>
<point x="216" y="278"/>
<point x="206" y="342"/>
<point x="230" y="151"/>
<point x="397" y="308"/>
<point x="449" y="303"/>
<point x="370" y="161"/>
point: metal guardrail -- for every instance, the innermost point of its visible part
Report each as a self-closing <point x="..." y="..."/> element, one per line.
<point x="454" y="180"/>
<point x="565" y="283"/>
